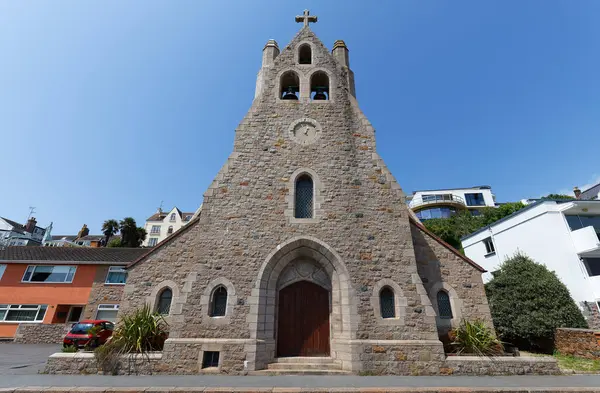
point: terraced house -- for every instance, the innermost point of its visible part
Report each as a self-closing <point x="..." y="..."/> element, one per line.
<point x="43" y="290"/>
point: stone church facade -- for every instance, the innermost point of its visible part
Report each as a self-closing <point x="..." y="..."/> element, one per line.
<point x="304" y="246"/>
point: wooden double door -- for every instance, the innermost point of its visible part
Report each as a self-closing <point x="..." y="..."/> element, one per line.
<point x="303" y="320"/>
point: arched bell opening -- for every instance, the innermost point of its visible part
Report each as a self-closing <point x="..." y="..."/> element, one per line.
<point x="304" y="54"/>
<point x="289" y="86"/>
<point x="319" y="86"/>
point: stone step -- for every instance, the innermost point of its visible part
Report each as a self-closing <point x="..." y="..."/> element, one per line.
<point x="300" y="372"/>
<point x="304" y="359"/>
<point x="303" y="366"/>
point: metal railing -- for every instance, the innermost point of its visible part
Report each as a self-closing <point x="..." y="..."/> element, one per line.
<point x="437" y="200"/>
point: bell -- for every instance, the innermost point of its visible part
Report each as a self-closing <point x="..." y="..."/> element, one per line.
<point x="289" y="94"/>
<point x="320" y="95"/>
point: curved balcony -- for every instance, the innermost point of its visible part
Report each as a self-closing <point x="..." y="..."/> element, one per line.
<point x="452" y="200"/>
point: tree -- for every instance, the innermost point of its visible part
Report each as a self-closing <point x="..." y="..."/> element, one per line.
<point x="528" y="302"/>
<point x="559" y="197"/>
<point x="461" y="224"/>
<point x="109" y="229"/>
<point x="131" y="234"/>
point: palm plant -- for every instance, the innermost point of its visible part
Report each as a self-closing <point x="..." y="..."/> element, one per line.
<point x="476" y="338"/>
<point x="109" y="229"/>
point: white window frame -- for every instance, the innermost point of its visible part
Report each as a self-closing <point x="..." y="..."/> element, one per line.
<point x="33" y="267"/>
<point x="2" y="269"/>
<point x="150" y="241"/>
<point x="117" y="269"/>
<point x="38" y="307"/>
<point x="490" y="249"/>
<point x="155" y="230"/>
<point x="173" y="217"/>
<point x="107" y="307"/>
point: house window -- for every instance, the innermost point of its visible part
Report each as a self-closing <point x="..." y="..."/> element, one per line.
<point x="163" y="306"/>
<point x="592" y="266"/>
<point x="210" y="359"/>
<point x="107" y="312"/>
<point x="49" y="274"/>
<point x="304" y="197"/>
<point x="489" y="246"/>
<point x="2" y="269"/>
<point x="387" y="303"/>
<point x="155" y="229"/>
<point x="170" y="230"/>
<point x="218" y="306"/>
<point x="152" y="241"/>
<point x="116" y="275"/>
<point x="172" y="217"/>
<point x="444" y="307"/>
<point x="475" y="199"/>
<point x="187" y="218"/>
<point x="22" y="312"/>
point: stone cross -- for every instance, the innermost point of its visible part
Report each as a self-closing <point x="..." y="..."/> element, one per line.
<point x="306" y="18"/>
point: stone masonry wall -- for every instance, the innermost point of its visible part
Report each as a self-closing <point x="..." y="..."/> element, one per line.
<point x="365" y="219"/>
<point x="85" y="363"/>
<point x="440" y="268"/>
<point x="583" y="343"/>
<point x="38" y="333"/>
<point x="102" y="293"/>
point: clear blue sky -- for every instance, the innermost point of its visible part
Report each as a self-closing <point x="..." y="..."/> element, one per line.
<point x="109" y="107"/>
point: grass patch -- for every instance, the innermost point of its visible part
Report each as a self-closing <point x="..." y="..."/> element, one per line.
<point x="577" y="364"/>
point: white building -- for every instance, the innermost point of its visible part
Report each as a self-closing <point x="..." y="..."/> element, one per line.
<point x="443" y="203"/>
<point x="563" y="235"/>
<point x="14" y="234"/>
<point x="161" y="225"/>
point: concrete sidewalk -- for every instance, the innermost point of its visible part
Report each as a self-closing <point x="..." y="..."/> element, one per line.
<point x="268" y="383"/>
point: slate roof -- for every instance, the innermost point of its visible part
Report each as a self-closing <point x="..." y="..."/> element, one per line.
<point x="16" y="226"/>
<point x="590" y="193"/>
<point x="80" y="255"/>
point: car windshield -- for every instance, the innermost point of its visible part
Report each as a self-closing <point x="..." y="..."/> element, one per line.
<point x="81" y="328"/>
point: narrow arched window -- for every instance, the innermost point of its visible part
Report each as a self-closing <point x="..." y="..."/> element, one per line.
<point x="319" y="86"/>
<point x="218" y="306"/>
<point x="290" y="86"/>
<point x="304" y="197"/>
<point x="304" y="54"/>
<point x="170" y="230"/>
<point x="444" y="307"/>
<point x="387" y="303"/>
<point x="163" y="306"/>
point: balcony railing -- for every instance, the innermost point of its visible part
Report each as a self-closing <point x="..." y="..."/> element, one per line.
<point x="450" y="199"/>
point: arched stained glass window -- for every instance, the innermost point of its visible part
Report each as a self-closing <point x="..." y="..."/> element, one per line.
<point x="163" y="306"/>
<point x="219" y="302"/>
<point x="387" y="303"/>
<point x="304" y="197"/>
<point x="444" y="307"/>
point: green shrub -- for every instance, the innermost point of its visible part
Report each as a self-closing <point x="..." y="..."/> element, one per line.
<point x="141" y="331"/>
<point x="70" y="349"/>
<point x="528" y="302"/>
<point x="476" y="338"/>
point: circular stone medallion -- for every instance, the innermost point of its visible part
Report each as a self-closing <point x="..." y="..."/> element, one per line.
<point x="305" y="131"/>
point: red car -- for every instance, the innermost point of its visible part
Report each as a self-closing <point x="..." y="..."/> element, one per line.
<point x="79" y="335"/>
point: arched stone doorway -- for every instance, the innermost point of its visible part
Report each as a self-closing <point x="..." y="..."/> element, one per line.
<point x="310" y="261"/>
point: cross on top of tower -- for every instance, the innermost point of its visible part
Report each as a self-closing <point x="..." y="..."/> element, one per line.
<point x="306" y="18"/>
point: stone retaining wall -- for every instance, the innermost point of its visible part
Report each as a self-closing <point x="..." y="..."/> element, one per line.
<point x="85" y="363"/>
<point x="475" y="365"/>
<point x="37" y="333"/>
<point x="583" y="343"/>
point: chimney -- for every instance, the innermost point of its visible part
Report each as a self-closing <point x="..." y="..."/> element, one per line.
<point x="30" y="226"/>
<point x="577" y="192"/>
